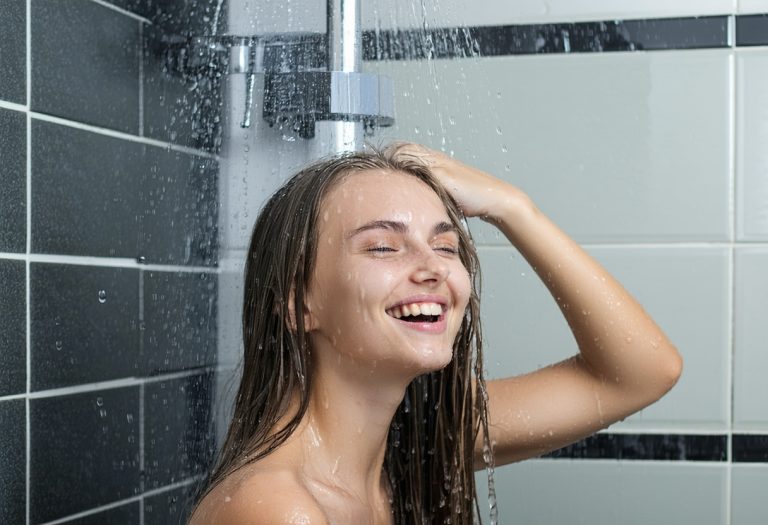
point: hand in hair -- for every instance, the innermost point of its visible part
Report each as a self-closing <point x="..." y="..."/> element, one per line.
<point x="625" y="361"/>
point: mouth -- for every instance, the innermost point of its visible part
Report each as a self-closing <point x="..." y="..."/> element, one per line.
<point x="423" y="316"/>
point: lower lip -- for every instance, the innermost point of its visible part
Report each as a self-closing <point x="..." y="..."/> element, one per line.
<point x="437" y="327"/>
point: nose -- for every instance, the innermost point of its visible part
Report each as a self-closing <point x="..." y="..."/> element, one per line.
<point x="430" y="268"/>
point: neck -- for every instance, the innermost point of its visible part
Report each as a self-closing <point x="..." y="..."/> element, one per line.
<point x="344" y="431"/>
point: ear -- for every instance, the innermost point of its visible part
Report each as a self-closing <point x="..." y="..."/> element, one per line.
<point x="310" y="322"/>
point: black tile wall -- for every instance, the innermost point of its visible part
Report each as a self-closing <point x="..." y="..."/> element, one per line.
<point x="752" y="30"/>
<point x="84" y="204"/>
<point x="750" y="448"/>
<point x="13" y="329"/>
<point x="122" y="199"/>
<point x="180" y="209"/>
<point x="12" y="461"/>
<point x="179" y="320"/>
<point x="84" y="451"/>
<point x="13" y="51"/>
<point x="169" y="508"/>
<point x="180" y="17"/>
<point x="86" y="71"/>
<point x="84" y="324"/>
<point x="13" y="179"/>
<point x="179" y="107"/>
<point x="129" y="514"/>
<point x="178" y="435"/>
<point x="669" y="447"/>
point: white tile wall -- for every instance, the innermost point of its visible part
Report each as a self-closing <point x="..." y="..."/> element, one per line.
<point x="752" y="6"/>
<point x="618" y="147"/>
<point x="749" y="486"/>
<point x="752" y="135"/>
<point x="684" y="289"/>
<point x="451" y="13"/>
<point x="557" y="492"/>
<point x="750" y="388"/>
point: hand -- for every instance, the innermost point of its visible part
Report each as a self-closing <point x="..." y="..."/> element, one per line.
<point x="477" y="193"/>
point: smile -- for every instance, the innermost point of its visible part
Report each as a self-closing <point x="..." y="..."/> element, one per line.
<point x="425" y="316"/>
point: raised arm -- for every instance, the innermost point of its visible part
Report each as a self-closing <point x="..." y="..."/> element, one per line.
<point x="625" y="362"/>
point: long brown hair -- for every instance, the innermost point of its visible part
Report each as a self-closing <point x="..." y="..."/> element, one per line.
<point x="429" y="459"/>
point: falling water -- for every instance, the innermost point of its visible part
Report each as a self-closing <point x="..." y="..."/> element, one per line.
<point x="216" y="16"/>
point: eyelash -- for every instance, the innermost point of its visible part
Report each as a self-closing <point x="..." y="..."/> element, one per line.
<point x="387" y="249"/>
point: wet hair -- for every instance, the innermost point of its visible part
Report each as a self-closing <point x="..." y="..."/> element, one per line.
<point x="429" y="459"/>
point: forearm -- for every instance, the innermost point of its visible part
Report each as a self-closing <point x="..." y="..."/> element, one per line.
<point x="617" y="339"/>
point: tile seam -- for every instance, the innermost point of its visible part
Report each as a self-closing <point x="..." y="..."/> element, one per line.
<point x="122" y="11"/>
<point x="28" y="249"/>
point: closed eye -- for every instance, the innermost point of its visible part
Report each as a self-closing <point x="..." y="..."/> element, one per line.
<point x="448" y="249"/>
<point x="381" y="249"/>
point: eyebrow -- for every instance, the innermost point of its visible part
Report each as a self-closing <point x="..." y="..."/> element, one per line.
<point x="399" y="227"/>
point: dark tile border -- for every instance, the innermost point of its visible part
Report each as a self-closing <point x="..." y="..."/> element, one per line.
<point x="750" y="448"/>
<point x="668" y="447"/>
<point x="653" y="34"/>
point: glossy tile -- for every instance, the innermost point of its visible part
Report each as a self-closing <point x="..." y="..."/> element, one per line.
<point x="89" y="441"/>
<point x="13" y="327"/>
<point x="172" y="506"/>
<point x="751" y="136"/>
<point x="13" y="179"/>
<point x="178" y="108"/>
<point x="750" y="334"/>
<point x="13" y="477"/>
<point x="179" y="199"/>
<point x="13" y="52"/>
<point x="177" y="429"/>
<point x="601" y="142"/>
<point x="180" y="316"/>
<point x="750" y="448"/>
<point x="684" y="289"/>
<point x="85" y="204"/>
<point x="752" y="30"/>
<point x="752" y="6"/>
<point x="84" y="324"/>
<point x="647" y="447"/>
<point x="401" y="14"/>
<point x="128" y="514"/>
<point x="630" y="493"/>
<point x="748" y="502"/>
<point x="85" y="63"/>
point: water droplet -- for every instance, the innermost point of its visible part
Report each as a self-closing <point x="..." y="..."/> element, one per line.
<point x="129" y="418"/>
<point x="504" y="149"/>
<point x="99" y="401"/>
<point x="498" y="130"/>
<point x="59" y="345"/>
<point x="103" y="412"/>
<point x="102" y="296"/>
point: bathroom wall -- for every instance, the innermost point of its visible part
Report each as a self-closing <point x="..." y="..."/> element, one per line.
<point x="108" y="265"/>
<point x="643" y="136"/>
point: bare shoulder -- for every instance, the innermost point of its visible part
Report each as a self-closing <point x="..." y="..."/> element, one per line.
<point x="262" y="497"/>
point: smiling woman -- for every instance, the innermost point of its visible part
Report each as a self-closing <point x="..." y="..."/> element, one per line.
<point x="362" y="398"/>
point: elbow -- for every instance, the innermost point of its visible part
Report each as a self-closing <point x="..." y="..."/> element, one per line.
<point x="672" y="370"/>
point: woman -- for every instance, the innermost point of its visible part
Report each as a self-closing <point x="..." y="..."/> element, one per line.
<point x="362" y="398"/>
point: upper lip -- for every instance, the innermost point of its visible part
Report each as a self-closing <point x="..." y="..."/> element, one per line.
<point x="439" y="299"/>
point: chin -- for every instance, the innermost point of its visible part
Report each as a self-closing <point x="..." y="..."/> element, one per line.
<point x="430" y="359"/>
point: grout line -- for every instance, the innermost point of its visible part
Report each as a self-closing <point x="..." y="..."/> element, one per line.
<point x="122" y="135"/>
<point x="731" y="296"/>
<point x="28" y="120"/>
<point x="114" y="262"/>
<point x="11" y="105"/>
<point x="142" y="468"/>
<point x="122" y="11"/>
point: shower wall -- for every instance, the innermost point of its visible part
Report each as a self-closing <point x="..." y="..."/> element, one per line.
<point x="108" y="264"/>
<point x="643" y="136"/>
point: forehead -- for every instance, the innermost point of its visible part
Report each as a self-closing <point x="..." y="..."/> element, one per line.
<point x="372" y="195"/>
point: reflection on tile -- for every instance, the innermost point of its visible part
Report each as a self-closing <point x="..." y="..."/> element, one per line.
<point x="752" y="156"/>
<point x="669" y="447"/>
<point x="750" y="332"/>
<point x="750" y="448"/>
<point x="180" y="315"/>
<point x="74" y="194"/>
<point x="89" y="441"/>
<point x="178" y="432"/>
<point x="13" y="477"/>
<point x="748" y="502"/>
<point x="127" y="514"/>
<point x="684" y="289"/>
<point x="88" y="72"/>
<point x="13" y="329"/>
<point x="13" y="179"/>
<point x="179" y="209"/>
<point x="13" y="53"/>
<point x="172" y="506"/>
<point x="602" y="143"/>
<point x="84" y="323"/>
<point x="181" y="109"/>
<point x="630" y="493"/>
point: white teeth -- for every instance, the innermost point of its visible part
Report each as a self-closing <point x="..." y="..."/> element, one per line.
<point x="414" y="309"/>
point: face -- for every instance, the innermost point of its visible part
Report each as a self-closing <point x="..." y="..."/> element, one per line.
<point x="389" y="289"/>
